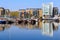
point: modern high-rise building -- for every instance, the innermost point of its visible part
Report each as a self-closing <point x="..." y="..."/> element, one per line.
<point x="47" y="10"/>
<point x="55" y="11"/>
<point x="2" y="11"/>
<point x="51" y="8"/>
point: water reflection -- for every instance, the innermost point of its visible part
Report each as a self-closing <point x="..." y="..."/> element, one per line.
<point x="4" y="26"/>
<point x="55" y="25"/>
<point x="28" y="25"/>
<point x="46" y="26"/>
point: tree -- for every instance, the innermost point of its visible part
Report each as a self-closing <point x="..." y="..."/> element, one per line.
<point x="14" y="14"/>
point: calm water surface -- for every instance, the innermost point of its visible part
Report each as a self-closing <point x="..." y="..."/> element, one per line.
<point x="27" y="33"/>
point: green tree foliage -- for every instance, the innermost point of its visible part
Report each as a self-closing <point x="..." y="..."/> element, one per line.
<point x="14" y="14"/>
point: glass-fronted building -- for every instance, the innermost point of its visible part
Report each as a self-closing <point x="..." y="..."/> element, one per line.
<point x="47" y="9"/>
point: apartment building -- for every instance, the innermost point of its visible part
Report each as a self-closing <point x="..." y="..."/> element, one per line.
<point x="2" y="11"/>
<point x="47" y="10"/>
<point x="55" y="11"/>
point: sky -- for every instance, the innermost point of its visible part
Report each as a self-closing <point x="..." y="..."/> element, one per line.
<point x="23" y="4"/>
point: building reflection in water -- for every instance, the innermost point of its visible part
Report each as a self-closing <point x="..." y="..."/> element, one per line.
<point x="4" y="26"/>
<point x="33" y="25"/>
<point x="55" y="25"/>
<point x="46" y="26"/>
<point x="40" y="24"/>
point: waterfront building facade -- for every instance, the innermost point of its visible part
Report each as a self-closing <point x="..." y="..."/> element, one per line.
<point x="40" y="13"/>
<point x="40" y="16"/>
<point x="27" y="15"/>
<point x="21" y="13"/>
<point x="36" y="12"/>
<point x="7" y="12"/>
<point x="2" y="11"/>
<point x="55" y="11"/>
<point x="30" y="12"/>
<point x="47" y="10"/>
